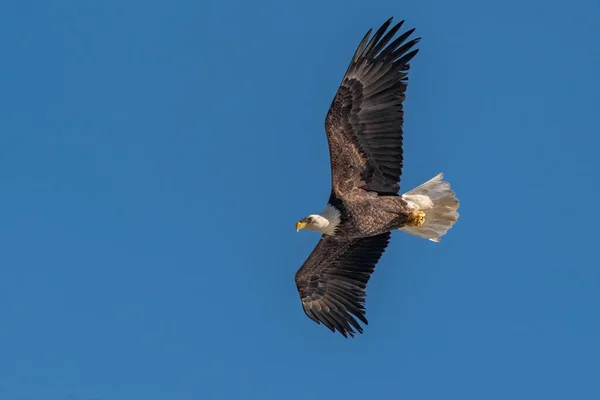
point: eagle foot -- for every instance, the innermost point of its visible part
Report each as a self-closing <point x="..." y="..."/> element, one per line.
<point x="417" y="218"/>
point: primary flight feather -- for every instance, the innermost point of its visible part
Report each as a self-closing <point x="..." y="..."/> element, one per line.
<point x="364" y="132"/>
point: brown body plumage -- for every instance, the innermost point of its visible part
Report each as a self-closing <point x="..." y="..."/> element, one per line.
<point x="364" y="132"/>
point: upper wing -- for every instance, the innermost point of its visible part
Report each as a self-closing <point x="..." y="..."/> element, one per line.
<point x="364" y="121"/>
<point x="333" y="280"/>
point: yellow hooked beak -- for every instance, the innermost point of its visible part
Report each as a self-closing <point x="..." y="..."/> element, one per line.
<point x="300" y="225"/>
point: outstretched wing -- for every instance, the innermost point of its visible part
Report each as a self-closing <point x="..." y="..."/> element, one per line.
<point x="332" y="281"/>
<point x="364" y="121"/>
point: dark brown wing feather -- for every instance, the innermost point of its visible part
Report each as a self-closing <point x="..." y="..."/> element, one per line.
<point x="332" y="281"/>
<point x="364" y="122"/>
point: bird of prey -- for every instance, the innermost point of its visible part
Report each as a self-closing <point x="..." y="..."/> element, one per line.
<point x="364" y="133"/>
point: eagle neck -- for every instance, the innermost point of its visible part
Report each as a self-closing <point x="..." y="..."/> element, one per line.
<point x="333" y="216"/>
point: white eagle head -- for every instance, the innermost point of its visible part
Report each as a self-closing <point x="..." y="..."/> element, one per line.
<point x="325" y="222"/>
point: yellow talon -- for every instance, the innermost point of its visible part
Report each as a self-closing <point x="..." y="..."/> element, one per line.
<point x="417" y="219"/>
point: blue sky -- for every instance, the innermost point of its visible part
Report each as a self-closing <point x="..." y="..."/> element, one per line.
<point x="154" y="158"/>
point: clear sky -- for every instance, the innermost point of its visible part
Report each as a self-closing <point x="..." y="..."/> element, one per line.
<point x="155" y="156"/>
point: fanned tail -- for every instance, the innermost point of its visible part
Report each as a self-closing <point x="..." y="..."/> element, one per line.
<point x="438" y="202"/>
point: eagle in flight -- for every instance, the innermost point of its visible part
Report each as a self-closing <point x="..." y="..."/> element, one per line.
<point x="364" y="133"/>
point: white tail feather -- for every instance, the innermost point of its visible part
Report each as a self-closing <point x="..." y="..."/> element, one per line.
<point x="438" y="202"/>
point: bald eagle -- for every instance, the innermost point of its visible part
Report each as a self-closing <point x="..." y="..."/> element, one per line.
<point x="364" y="133"/>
